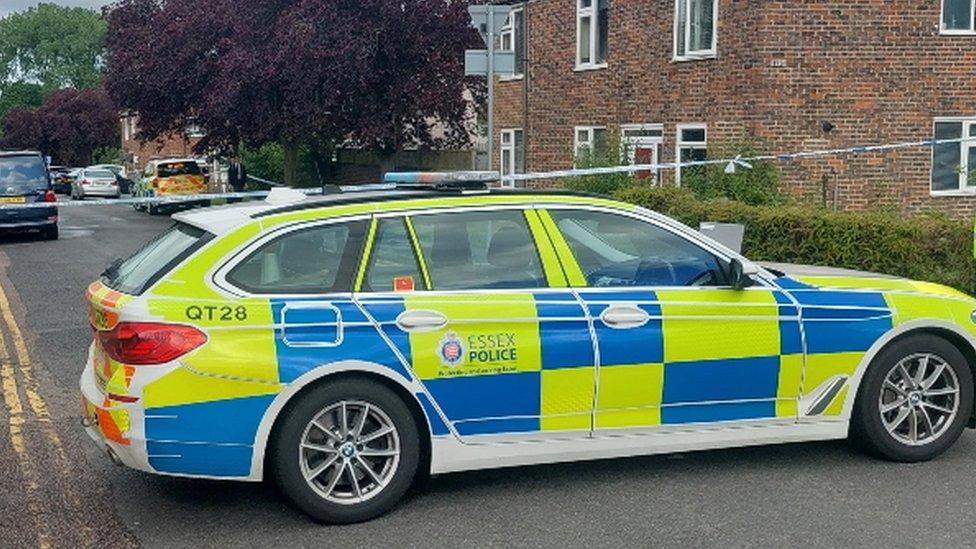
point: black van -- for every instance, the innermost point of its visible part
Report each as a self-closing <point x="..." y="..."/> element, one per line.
<point x="24" y="179"/>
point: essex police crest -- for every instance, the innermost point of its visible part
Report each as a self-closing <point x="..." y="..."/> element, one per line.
<point x="450" y="350"/>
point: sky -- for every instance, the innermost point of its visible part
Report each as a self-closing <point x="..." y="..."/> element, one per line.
<point x="9" y="6"/>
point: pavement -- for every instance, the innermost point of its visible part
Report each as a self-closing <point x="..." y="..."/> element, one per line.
<point x="58" y="490"/>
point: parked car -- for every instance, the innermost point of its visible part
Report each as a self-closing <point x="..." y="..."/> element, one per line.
<point x="94" y="181"/>
<point x="62" y="177"/>
<point x="168" y="178"/>
<point x="348" y="344"/>
<point x="24" y="179"/>
<point x="125" y="184"/>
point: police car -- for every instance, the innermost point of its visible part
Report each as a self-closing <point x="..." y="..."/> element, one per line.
<point x="347" y="345"/>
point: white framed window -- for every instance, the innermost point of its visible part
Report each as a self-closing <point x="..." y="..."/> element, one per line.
<point x="512" y="153"/>
<point x="641" y="144"/>
<point x="954" y="164"/>
<point x="695" y="29"/>
<point x="692" y="146"/>
<point x="589" y="142"/>
<point x="592" y="24"/>
<point x="958" y="17"/>
<point x="513" y="40"/>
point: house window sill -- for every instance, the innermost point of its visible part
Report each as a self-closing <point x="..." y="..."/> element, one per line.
<point x="584" y="68"/>
<point x="961" y="193"/>
<point x="948" y="32"/>
<point x="696" y="57"/>
<point x="513" y="78"/>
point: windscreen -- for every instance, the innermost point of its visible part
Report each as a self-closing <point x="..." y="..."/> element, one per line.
<point x="24" y="174"/>
<point x="143" y="268"/>
<point x="171" y="169"/>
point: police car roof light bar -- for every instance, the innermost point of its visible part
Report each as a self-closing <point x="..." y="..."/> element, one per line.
<point x="457" y="180"/>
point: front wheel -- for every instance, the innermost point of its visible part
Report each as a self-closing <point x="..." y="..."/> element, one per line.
<point x="915" y="400"/>
<point x="346" y="452"/>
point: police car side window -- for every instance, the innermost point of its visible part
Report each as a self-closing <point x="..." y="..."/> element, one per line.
<point x="616" y="250"/>
<point x="392" y="263"/>
<point x="306" y="261"/>
<point x="479" y="250"/>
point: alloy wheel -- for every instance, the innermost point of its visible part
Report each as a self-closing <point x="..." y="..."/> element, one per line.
<point x="919" y="399"/>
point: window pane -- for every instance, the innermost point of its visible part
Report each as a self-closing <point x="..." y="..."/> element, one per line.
<point x="519" y="165"/>
<point x="701" y="13"/>
<point x="682" y="16"/>
<point x="479" y="250"/>
<point x="603" y="25"/>
<point x="316" y="260"/>
<point x="947" y="157"/>
<point x="135" y="273"/>
<point x="506" y="161"/>
<point x="971" y="175"/>
<point x="392" y="260"/>
<point x="614" y="250"/>
<point x="600" y="142"/>
<point x="519" y="39"/>
<point x="584" y="40"/>
<point x="693" y="135"/>
<point x="957" y="14"/>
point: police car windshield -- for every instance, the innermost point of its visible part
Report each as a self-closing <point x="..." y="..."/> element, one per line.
<point x="143" y="268"/>
<point x="172" y="169"/>
<point x="22" y="174"/>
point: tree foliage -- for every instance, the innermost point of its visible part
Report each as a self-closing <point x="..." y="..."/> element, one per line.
<point x="69" y="126"/>
<point x="18" y="94"/>
<point x="53" y="46"/>
<point x="375" y="73"/>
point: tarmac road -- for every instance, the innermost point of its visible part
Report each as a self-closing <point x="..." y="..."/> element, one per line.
<point x="57" y="490"/>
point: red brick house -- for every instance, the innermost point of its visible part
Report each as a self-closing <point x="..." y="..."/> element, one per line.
<point x="135" y="153"/>
<point x="681" y="78"/>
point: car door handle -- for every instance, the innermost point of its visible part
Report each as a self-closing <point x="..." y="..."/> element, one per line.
<point x="421" y="321"/>
<point x="622" y="317"/>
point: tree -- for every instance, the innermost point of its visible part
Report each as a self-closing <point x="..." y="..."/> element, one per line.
<point x="53" y="46"/>
<point x="69" y="126"/>
<point x="373" y="73"/>
<point x="19" y="95"/>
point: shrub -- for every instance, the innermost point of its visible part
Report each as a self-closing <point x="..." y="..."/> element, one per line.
<point x="612" y="154"/>
<point x="930" y="248"/>
<point x="756" y="185"/>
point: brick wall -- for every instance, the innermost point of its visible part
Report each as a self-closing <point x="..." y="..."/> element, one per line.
<point x="872" y="70"/>
<point x="136" y="153"/>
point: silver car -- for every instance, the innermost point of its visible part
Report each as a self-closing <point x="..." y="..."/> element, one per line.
<point x="95" y="182"/>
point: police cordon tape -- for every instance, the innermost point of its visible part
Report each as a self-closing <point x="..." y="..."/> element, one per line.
<point x="731" y="164"/>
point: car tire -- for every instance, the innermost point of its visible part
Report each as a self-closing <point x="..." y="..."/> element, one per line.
<point x="152" y="209"/>
<point x="915" y="399"/>
<point x="50" y="233"/>
<point x="330" y="496"/>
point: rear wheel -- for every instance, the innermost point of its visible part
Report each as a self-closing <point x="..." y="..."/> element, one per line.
<point x="915" y="399"/>
<point x="347" y="451"/>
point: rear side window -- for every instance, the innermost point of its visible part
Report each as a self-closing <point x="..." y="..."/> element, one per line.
<point x="392" y="263"/>
<point x="315" y="260"/>
<point x="479" y="250"/>
<point x="22" y="174"/>
<point x="143" y="268"/>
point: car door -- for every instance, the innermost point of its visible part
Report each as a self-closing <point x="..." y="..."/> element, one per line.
<point x="676" y="344"/>
<point x="477" y="305"/>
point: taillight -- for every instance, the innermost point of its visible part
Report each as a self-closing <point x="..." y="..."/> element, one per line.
<point x="50" y="197"/>
<point x="147" y="343"/>
<point x="85" y="182"/>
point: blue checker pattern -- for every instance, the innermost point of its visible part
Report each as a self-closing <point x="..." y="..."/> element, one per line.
<point x="842" y="321"/>
<point x="727" y="379"/>
<point x="644" y="345"/>
<point x="488" y="396"/>
<point x="562" y="344"/>
<point x="724" y="411"/>
<point x="358" y="342"/>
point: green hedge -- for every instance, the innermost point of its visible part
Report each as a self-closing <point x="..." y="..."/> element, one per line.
<point x="934" y="249"/>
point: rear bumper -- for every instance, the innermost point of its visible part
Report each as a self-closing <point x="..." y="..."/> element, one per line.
<point x="112" y="426"/>
<point x="110" y="192"/>
<point x="28" y="224"/>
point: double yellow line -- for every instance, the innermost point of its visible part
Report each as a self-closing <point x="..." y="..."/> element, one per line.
<point x="39" y="415"/>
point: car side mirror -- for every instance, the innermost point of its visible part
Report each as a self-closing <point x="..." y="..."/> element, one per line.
<point x="741" y="274"/>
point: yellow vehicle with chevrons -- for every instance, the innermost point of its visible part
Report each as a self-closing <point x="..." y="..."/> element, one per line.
<point x="349" y="344"/>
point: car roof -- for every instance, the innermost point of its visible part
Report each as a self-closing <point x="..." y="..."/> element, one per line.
<point x="20" y="153"/>
<point x="220" y="219"/>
